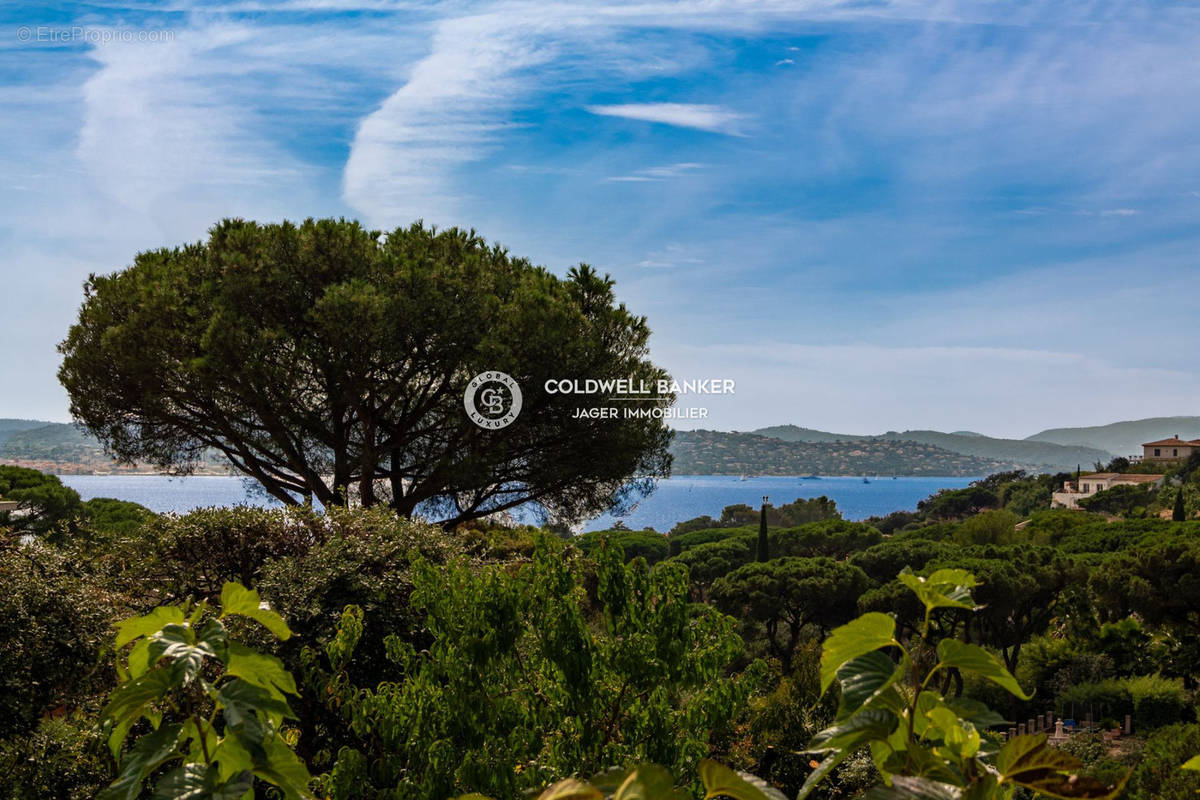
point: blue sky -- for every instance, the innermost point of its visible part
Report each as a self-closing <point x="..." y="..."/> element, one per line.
<point x="873" y="215"/>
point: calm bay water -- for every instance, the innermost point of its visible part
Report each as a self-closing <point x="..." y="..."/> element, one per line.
<point x="676" y="499"/>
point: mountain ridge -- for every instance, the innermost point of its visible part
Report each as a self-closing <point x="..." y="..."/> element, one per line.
<point x="1126" y="437"/>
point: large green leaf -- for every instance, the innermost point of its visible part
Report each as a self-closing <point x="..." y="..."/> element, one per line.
<point x="649" y="782"/>
<point x="237" y="599"/>
<point x="945" y="588"/>
<point x="721" y="781"/>
<point x="973" y="658"/>
<point x="863" y="678"/>
<point x="874" y="723"/>
<point x="198" y="782"/>
<point x="259" y="669"/>
<point x="906" y="788"/>
<point x="179" y="644"/>
<point x="147" y="755"/>
<point x="241" y="699"/>
<point x="869" y="632"/>
<point x="284" y="769"/>
<point x="1031" y="762"/>
<point x="130" y="701"/>
<point x="1192" y="763"/>
<point x="975" y="712"/>
<point x="155" y="621"/>
<point x="958" y="736"/>
<point x="570" y="789"/>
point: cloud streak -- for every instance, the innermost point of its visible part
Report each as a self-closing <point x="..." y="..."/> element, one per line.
<point x="701" y="116"/>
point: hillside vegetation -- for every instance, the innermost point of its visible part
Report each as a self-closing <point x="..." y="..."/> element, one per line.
<point x="8" y="427"/>
<point x="1024" y="452"/>
<point x="719" y="453"/>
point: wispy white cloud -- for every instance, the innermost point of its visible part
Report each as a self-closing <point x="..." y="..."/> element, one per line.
<point x="700" y="116"/>
<point x="652" y="174"/>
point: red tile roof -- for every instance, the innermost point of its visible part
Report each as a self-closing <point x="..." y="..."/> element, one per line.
<point x="1173" y="442"/>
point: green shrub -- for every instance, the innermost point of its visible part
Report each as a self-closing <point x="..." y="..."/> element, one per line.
<point x="108" y="519"/>
<point x="524" y="679"/>
<point x="1052" y="666"/>
<point x="1158" y="701"/>
<point x="1152" y="700"/>
<point x="1052" y="526"/>
<point x="1025" y="499"/>
<point x="62" y="758"/>
<point x="175" y="557"/>
<point x="365" y="561"/>
<point x="1108" y="698"/>
<point x="54" y="623"/>
<point x="1157" y="775"/>
<point x="990" y="527"/>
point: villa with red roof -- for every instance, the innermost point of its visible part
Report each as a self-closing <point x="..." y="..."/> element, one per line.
<point x="1173" y="449"/>
<point x="1087" y="485"/>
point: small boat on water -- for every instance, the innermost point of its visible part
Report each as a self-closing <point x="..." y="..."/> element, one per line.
<point x="865" y="479"/>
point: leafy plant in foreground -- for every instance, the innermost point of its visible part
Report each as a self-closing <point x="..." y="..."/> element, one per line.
<point x="652" y="782"/>
<point x="214" y="705"/>
<point x="926" y="745"/>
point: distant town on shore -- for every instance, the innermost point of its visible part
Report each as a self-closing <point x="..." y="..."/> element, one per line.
<point x="64" y="449"/>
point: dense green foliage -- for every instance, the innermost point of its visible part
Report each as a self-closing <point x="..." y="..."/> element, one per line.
<point x="431" y="662"/>
<point x="53" y="627"/>
<point x="521" y="678"/>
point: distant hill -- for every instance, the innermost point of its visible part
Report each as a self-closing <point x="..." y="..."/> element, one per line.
<point x="719" y="453"/>
<point x="1123" y="438"/>
<point x="794" y="433"/>
<point x="10" y="426"/>
<point x="1029" y="454"/>
<point x="54" y="446"/>
<point x="52" y="441"/>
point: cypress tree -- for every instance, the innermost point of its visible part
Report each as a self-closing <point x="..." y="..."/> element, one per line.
<point x="1179" y="514"/>
<point x="763" y="554"/>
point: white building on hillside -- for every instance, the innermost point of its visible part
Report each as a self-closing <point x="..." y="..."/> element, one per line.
<point x="1088" y="485"/>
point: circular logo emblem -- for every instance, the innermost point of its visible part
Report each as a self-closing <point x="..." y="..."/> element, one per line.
<point x="492" y="400"/>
